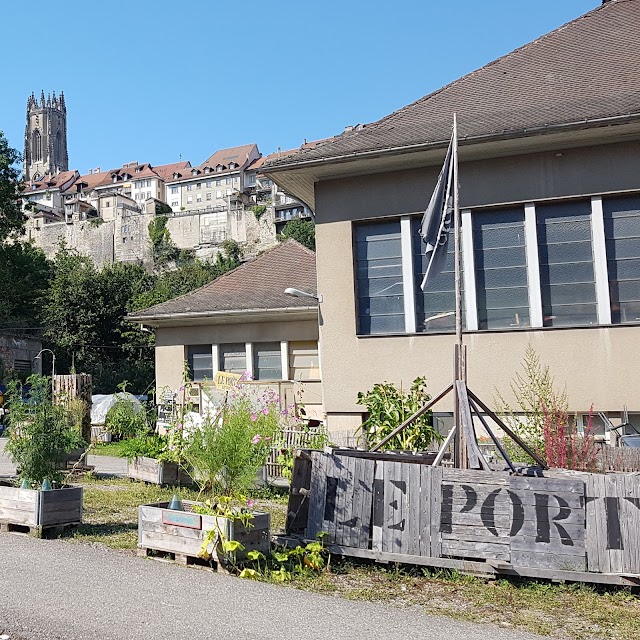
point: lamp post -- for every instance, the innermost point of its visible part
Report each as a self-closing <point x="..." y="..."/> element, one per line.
<point x="296" y="293"/>
<point x="53" y="364"/>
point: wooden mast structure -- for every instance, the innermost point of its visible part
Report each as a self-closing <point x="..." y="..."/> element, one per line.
<point x="467" y="454"/>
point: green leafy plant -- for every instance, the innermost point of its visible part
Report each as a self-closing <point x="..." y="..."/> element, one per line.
<point x="304" y="231"/>
<point x="535" y="395"/>
<point x="229" y="448"/>
<point x="163" y="248"/>
<point x="40" y="434"/>
<point x="96" y="222"/>
<point x="125" y="419"/>
<point x="308" y="439"/>
<point x="388" y="407"/>
<point x="259" y="210"/>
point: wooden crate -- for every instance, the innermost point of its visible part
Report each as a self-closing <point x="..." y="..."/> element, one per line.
<point x="158" y="472"/>
<point x="183" y="532"/>
<point x="40" y="510"/>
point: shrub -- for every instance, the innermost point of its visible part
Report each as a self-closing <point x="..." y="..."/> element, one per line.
<point x="227" y="451"/>
<point x="40" y="434"/>
<point x="125" y="419"/>
<point x="388" y="407"/>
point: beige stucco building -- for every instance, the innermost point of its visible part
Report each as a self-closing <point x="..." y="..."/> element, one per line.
<point x="244" y="323"/>
<point x="550" y="198"/>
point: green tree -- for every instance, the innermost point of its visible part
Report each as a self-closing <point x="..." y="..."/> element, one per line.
<point x="26" y="272"/>
<point x="163" y="248"/>
<point x="304" y="231"/>
<point x="84" y="318"/>
<point x="12" y="218"/>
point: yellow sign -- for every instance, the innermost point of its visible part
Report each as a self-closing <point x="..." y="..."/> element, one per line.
<point x="224" y="380"/>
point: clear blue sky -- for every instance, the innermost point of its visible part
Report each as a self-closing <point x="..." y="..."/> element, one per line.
<point x="152" y="79"/>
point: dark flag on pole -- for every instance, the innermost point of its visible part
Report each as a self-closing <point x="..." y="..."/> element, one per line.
<point x="438" y="220"/>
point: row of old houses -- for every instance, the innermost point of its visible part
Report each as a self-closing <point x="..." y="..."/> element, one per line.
<point x="550" y="196"/>
<point x="105" y="214"/>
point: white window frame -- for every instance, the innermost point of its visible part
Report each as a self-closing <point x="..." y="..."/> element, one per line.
<point x="598" y="241"/>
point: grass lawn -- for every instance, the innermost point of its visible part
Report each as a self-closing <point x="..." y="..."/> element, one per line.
<point x="110" y="515"/>
<point x="107" y="449"/>
<point x="571" y="612"/>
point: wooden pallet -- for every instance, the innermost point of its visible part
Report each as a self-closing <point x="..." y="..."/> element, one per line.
<point x="34" y="531"/>
<point x="182" y="559"/>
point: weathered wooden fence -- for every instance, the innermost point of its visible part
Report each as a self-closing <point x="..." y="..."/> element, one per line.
<point x="572" y="526"/>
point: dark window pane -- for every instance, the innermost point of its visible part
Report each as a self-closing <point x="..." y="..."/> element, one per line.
<point x="622" y="232"/>
<point x="200" y="362"/>
<point x="501" y="268"/>
<point x="379" y="285"/>
<point x="233" y="358"/>
<point x="436" y="306"/>
<point x="267" y="361"/>
<point x="565" y="250"/>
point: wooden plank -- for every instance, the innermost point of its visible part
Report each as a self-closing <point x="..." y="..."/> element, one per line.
<point x="298" y="508"/>
<point x="549" y="530"/>
<point x="317" y="494"/>
<point x="424" y="548"/>
<point x="473" y="549"/>
<point x="377" y="521"/>
<point x="470" y="476"/>
<point x="414" y="505"/>
<point x="436" y="510"/>
<point x="595" y="559"/>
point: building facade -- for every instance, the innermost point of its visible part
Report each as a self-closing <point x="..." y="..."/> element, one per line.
<point x="550" y="198"/>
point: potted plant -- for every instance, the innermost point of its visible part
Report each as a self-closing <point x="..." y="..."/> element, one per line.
<point x="224" y="455"/>
<point x="40" y="438"/>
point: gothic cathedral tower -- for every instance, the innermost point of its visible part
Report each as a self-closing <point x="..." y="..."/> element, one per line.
<point x="45" y="137"/>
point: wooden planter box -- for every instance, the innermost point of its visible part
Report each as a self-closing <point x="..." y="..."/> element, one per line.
<point x="158" y="472"/>
<point x="183" y="532"/>
<point x="40" y="510"/>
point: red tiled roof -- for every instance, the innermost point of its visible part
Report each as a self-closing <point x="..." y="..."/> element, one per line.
<point x="49" y="181"/>
<point x="256" y="285"/>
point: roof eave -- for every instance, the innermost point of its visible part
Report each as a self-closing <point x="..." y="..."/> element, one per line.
<point x="237" y="315"/>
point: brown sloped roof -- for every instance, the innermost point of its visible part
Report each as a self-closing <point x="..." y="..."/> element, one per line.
<point x="585" y="70"/>
<point x="238" y="155"/>
<point x="49" y="181"/>
<point x="166" y="171"/>
<point x="255" y="285"/>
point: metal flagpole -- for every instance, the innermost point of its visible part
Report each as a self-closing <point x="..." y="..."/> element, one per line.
<point x="460" y="446"/>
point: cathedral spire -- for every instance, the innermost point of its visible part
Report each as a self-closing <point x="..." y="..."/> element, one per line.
<point x="45" y="138"/>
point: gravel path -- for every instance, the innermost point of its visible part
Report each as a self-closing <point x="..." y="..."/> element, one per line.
<point x="53" y="590"/>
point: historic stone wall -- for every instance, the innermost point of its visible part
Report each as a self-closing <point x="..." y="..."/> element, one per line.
<point x="126" y="239"/>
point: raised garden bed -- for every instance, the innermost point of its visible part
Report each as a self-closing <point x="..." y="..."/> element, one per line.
<point x="183" y="532"/>
<point x="33" y="510"/>
<point x="158" y="472"/>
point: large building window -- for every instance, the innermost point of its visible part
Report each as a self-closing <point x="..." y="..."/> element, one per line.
<point x="436" y="305"/>
<point x="233" y="358"/>
<point x="566" y="264"/>
<point x="501" y="269"/>
<point x="304" y="361"/>
<point x="622" y="237"/>
<point x="379" y="278"/>
<point x="199" y="359"/>
<point x="267" y="361"/>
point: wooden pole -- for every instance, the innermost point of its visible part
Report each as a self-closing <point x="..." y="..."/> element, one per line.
<point x="460" y="446"/>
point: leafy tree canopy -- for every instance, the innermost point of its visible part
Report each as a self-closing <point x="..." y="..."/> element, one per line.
<point x="25" y="272"/>
<point x="304" y="231"/>
<point x="11" y="217"/>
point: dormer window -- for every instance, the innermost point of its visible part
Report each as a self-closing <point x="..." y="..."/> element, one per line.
<point x="176" y="175"/>
<point x="194" y="172"/>
<point x="219" y="168"/>
<point x="232" y="165"/>
<point x="207" y="169"/>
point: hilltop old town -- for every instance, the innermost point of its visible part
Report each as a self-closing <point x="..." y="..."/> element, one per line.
<point x="383" y="382"/>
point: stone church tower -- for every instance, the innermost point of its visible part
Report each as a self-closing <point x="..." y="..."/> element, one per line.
<point x="45" y="137"/>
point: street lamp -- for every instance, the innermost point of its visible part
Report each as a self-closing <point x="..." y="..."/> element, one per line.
<point x="53" y="362"/>
<point x="296" y="293"/>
